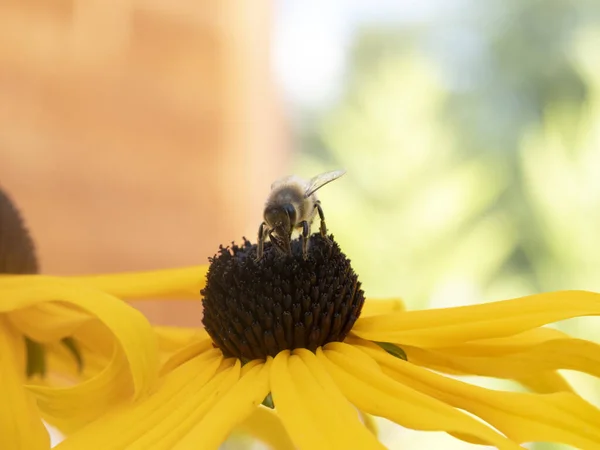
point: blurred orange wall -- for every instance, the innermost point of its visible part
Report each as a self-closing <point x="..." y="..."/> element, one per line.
<point x="137" y="134"/>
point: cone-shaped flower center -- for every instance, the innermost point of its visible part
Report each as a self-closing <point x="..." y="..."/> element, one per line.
<point x="17" y="252"/>
<point x="18" y="256"/>
<point x="254" y="309"/>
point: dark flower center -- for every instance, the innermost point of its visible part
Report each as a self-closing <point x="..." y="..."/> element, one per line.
<point x="254" y="309"/>
<point x="18" y="256"/>
<point x="17" y="252"/>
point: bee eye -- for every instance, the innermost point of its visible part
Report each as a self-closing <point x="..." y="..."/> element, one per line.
<point x="291" y="212"/>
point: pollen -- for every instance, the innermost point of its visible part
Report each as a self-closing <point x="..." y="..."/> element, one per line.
<point x="255" y="309"/>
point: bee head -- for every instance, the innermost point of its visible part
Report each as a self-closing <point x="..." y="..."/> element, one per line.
<point x="281" y="218"/>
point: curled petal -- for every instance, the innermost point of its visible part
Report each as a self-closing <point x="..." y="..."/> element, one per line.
<point x="451" y="326"/>
<point x="113" y="328"/>
<point x="20" y="423"/>
<point x="49" y="322"/>
<point x="63" y="368"/>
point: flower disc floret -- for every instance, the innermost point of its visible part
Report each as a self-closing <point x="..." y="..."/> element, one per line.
<point x="257" y="309"/>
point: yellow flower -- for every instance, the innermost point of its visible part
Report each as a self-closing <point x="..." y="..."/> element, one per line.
<point x="326" y="367"/>
<point x="45" y="324"/>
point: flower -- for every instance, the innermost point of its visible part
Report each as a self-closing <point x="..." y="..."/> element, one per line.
<point x="295" y="387"/>
<point x="46" y="324"/>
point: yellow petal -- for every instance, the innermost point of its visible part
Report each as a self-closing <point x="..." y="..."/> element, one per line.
<point x="330" y="389"/>
<point x="305" y="431"/>
<point x="63" y="369"/>
<point x="369" y="422"/>
<point x="184" y="354"/>
<point x="375" y="393"/>
<point x="182" y="283"/>
<point x="545" y="382"/>
<point x="509" y="344"/>
<point x="230" y="410"/>
<point x="521" y="362"/>
<point x="453" y="362"/>
<point x="174" y="428"/>
<point x="373" y="307"/>
<point x="264" y="425"/>
<point x="451" y="326"/>
<point x="171" y="339"/>
<point x="558" y="417"/>
<point x="133" y="368"/>
<point x="69" y="408"/>
<point x="163" y="418"/>
<point x="20" y="424"/>
<point x="49" y="322"/>
<point x="344" y="428"/>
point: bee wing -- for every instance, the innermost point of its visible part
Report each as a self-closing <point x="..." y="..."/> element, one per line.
<point x="321" y="180"/>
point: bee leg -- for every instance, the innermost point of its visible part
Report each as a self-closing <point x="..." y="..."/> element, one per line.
<point x="304" y="238"/>
<point x="279" y="244"/>
<point x="262" y="234"/>
<point x="287" y="241"/>
<point x="323" y="228"/>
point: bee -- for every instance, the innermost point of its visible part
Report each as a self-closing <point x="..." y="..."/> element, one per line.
<point x="293" y="204"/>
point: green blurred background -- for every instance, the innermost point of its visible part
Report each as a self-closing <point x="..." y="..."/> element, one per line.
<point x="471" y="135"/>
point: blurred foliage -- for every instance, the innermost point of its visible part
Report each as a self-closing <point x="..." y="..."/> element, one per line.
<point x="409" y="188"/>
<point x="448" y="157"/>
<point x="472" y="145"/>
